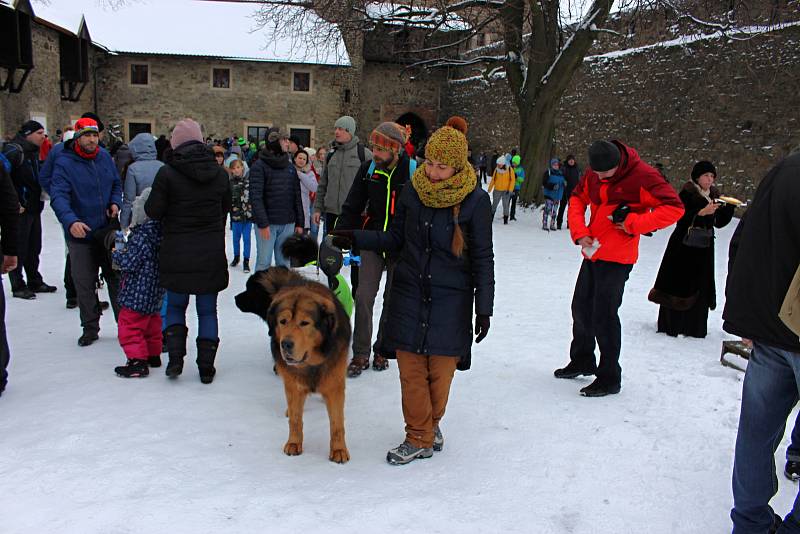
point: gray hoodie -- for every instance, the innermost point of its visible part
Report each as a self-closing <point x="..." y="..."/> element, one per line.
<point x="140" y="175"/>
<point x="338" y="176"/>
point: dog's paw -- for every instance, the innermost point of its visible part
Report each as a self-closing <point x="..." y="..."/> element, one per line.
<point x="340" y="456"/>
<point x="293" y="449"/>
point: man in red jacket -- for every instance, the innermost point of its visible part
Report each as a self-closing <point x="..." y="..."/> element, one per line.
<point x="626" y="198"/>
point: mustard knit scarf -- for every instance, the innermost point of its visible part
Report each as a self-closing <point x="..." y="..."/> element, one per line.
<point x="446" y="193"/>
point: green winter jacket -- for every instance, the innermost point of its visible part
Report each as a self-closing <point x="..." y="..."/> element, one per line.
<point x="520" y="172"/>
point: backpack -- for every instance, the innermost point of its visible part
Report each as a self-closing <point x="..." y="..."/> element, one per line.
<point x="14" y="155"/>
<point x="5" y="163"/>
<point x="412" y="166"/>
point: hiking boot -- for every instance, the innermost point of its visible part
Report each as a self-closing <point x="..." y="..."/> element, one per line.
<point x="206" y="354"/>
<point x="357" y="364"/>
<point x="246" y="265"/>
<point x="87" y="339"/>
<point x="406" y="452"/>
<point x="600" y="388"/>
<point x="380" y="363"/>
<point x="72" y="303"/>
<point x="438" y="439"/>
<point x="235" y="261"/>
<point x="23" y="293"/>
<point x="154" y="361"/>
<point x="792" y="470"/>
<point x="176" y="347"/>
<point x="133" y="369"/>
<point x="572" y="370"/>
<point x="43" y="288"/>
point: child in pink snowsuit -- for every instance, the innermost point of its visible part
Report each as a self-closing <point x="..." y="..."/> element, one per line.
<point x="140" y="294"/>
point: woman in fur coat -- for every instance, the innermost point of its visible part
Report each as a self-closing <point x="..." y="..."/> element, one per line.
<point x="685" y="288"/>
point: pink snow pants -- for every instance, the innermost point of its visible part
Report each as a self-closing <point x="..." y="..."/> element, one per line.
<point x="139" y="334"/>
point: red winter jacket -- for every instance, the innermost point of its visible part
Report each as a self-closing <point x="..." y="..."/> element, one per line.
<point x="653" y="202"/>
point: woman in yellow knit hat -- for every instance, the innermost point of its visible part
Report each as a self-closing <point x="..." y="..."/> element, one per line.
<point x="442" y="232"/>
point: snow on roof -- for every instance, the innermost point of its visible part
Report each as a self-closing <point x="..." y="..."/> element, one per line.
<point x="399" y="13"/>
<point x="183" y="27"/>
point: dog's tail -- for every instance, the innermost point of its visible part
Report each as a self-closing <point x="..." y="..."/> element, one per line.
<point x="300" y="249"/>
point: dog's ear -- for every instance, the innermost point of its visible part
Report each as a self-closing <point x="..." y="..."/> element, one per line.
<point x="301" y="249"/>
<point x="326" y="324"/>
<point x="254" y="299"/>
<point x="272" y="317"/>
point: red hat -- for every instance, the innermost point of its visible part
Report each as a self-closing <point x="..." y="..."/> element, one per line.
<point x="84" y="126"/>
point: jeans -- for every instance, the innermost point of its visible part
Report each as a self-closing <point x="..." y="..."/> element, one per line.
<point x="314" y="228"/>
<point x="497" y="197"/>
<point x="242" y="232"/>
<point x="793" y="450"/>
<point x="265" y="248"/>
<point x="595" y="307"/>
<point x="208" y="327"/>
<point x="769" y="392"/>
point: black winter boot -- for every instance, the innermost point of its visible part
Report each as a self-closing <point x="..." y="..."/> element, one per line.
<point x="246" y="265"/>
<point x="206" y="353"/>
<point x="176" y="347"/>
<point x="133" y="369"/>
<point x="505" y="220"/>
<point x="235" y="261"/>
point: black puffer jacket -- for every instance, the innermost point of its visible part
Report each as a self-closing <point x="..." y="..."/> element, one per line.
<point x="765" y="252"/>
<point x="191" y="196"/>
<point x="275" y="191"/>
<point x="433" y="291"/>
<point x="26" y="174"/>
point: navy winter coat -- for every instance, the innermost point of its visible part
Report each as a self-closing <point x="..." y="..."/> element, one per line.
<point x="26" y="175"/>
<point x="191" y="196"/>
<point x="433" y="291"/>
<point x="83" y="189"/>
<point x="275" y="191"/>
<point x="139" y="289"/>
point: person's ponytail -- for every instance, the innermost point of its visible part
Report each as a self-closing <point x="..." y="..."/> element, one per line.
<point x="457" y="245"/>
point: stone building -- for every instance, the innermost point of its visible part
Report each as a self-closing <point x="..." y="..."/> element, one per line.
<point x="146" y="66"/>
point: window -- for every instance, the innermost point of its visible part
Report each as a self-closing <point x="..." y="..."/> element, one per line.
<point x="74" y="63"/>
<point x="135" y="128"/>
<point x="140" y="74"/>
<point x="16" y="46"/>
<point x="301" y="82"/>
<point x="302" y="133"/>
<point x="256" y="133"/>
<point x="347" y="96"/>
<point x="220" y="78"/>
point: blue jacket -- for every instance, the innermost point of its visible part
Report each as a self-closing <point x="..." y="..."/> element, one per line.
<point x="139" y="289"/>
<point x="140" y="174"/>
<point x="46" y="172"/>
<point x="554" y="184"/>
<point x="83" y="189"/>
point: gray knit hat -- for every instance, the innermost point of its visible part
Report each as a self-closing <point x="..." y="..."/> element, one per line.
<point x="347" y="123"/>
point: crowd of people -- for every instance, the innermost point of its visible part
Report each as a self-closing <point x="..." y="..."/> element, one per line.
<point x="150" y="223"/>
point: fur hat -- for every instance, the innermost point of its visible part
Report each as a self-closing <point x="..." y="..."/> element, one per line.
<point x="448" y="145"/>
<point x="389" y="136"/>
<point x="702" y="167"/>
<point x="603" y="156"/>
<point x="347" y="123"/>
<point x="185" y="131"/>
<point x="138" y="216"/>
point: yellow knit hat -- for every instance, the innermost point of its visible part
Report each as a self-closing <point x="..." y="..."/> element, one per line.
<point x="449" y="146"/>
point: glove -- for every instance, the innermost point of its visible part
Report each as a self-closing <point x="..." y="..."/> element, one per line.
<point x="342" y="239"/>
<point x="620" y="213"/>
<point x="481" y="327"/>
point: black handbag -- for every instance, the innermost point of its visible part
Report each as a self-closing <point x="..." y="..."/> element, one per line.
<point x="698" y="237"/>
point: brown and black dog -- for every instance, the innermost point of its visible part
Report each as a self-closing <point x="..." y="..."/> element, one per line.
<point x="310" y="337"/>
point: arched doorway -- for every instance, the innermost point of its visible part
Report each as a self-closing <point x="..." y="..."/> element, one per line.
<point x="419" y="131"/>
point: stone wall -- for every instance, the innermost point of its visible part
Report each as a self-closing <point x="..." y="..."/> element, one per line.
<point x="41" y="94"/>
<point x="180" y="86"/>
<point x="735" y="103"/>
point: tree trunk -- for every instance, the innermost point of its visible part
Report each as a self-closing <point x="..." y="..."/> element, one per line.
<point x="536" y="145"/>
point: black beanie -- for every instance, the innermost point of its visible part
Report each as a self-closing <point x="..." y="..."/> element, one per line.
<point x="95" y="118"/>
<point x="702" y="167"/>
<point x="30" y="127"/>
<point x="603" y="156"/>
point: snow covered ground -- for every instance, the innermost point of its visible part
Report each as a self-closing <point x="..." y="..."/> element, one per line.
<point x="84" y="451"/>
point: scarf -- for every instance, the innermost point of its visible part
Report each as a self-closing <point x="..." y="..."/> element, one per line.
<point x="446" y="193"/>
<point x="85" y="155"/>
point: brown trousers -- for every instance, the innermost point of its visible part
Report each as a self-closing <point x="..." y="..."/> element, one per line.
<point x="425" y="386"/>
